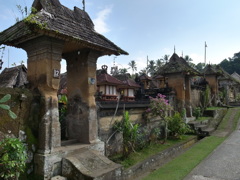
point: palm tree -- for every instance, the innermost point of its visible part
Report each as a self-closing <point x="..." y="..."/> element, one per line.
<point x="165" y="58"/>
<point x="122" y="71"/>
<point x="189" y="61"/>
<point x="133" y="66"/>
<point x="143" y="71"/>
<point x="159" y="64"/>
<point x="151" y="67"/>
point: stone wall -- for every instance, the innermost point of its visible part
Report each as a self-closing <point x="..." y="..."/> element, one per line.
<point x="106" y="120"/>
<point x="26" y="106"/>
<point x="196" y="98"/>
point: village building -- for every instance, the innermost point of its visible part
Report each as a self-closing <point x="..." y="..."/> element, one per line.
<point x="14" y="77"/>
<point x="107" y="86"/>
<point x="145" y="80"/>
<point x="228" y="85"/>
<point x="51" y="33"/>
<point x="128" y="88"/>
<point x="178" y="74"/>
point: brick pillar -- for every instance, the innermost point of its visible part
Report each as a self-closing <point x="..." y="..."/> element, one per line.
<point x="177" y="82"/>
<point x="81" y="85"/>
<point x="44" y="56"/>
<point x="213" y="84"/>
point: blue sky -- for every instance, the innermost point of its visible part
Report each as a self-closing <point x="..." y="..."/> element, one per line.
<point x="152" y="28"/>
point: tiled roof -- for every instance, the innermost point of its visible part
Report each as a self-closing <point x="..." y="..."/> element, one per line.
<point x="177" y="64"/>
<point x="125" y="78"/>
<point x="131" y="83"/>
<point x="105" y="78"/>
<point x="55" y="20"/>
<point x="145" y="77"/>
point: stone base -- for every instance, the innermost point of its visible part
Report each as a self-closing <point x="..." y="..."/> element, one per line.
<point x="50" y="165"/>
<point x="91" y="165"/>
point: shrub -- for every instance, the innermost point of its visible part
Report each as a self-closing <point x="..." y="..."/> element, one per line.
<point x="197" y="112"/>
<point x="176" y="126"/>
<point x="159" y="107"/>
<point x="12" y="158"/>
<point x="130" y="134"/>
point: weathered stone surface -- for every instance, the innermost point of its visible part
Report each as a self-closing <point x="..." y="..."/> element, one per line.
<point x="58" y="178"/>
<point x="82" y="115"/>
<point x="90" y="164"/>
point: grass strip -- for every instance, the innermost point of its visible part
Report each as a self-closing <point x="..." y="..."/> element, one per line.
<point x="224" y="123"/>
<point x="203" y="118"/>
<point x="150" y="150"/>
<point x="213" y="108"/>
<point x="181" y="166"/>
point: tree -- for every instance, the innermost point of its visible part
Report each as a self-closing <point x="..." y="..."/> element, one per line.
<point x="200" y="67"/>
<point x="133" y="66"/>
<point x="189" y="61"/>
<point x="143" y="71"/>
<point x="151" y="67"/>
<point x="165" y="58"/>
<point x="159" y="64"/>
<point x="122" y="71"/>
<point x="231" y="65"/>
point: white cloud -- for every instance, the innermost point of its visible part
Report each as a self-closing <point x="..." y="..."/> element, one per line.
<point x="197" y="58"/>
<point x="100" y="20"/>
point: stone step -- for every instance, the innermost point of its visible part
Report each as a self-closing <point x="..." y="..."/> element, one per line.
<point x="201" y="126"/>
<point x="90" y="164"/>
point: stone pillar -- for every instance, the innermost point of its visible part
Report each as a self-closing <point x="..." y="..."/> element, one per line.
<point x="188" y="99"/>
<point x="213" y="84"/>
<point x="177" y="82"/>
<point x="44" y="56"/>
<point x="81" y="86"/>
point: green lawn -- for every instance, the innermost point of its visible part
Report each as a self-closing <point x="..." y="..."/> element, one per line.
<point x="213" y="108"/>
<point x="203" y="118"/>
<point x="181" y="166"/>
<point x="152" y="149"/>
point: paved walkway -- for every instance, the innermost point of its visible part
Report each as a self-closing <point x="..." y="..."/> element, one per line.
<point x="222" y="164"/>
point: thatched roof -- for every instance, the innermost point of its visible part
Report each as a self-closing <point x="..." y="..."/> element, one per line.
<point x="212" y="70"/>
<point x="55" y="20"/>
<point x="236" y="76"/>
<point x="177" y="64"/>
<point x="14" y="77"/>
<point x="225" y="75"/>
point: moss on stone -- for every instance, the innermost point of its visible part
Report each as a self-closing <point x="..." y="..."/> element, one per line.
<point x="31" y="139"/>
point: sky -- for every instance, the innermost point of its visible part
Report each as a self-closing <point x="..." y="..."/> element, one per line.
<point x="150" y="28"/>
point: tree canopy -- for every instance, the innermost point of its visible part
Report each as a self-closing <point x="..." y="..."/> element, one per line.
<point x="231" y="65"/>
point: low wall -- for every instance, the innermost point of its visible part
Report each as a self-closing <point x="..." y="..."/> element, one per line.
<point x="25" y="127"/>
<point x="106" y="120"/>
<point x="157" y="160"/>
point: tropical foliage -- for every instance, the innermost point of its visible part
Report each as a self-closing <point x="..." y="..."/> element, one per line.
<point x="12" y="158"/>
<point x="159" y="107"/>
<point x="130" y="134"/>
<point x="7" y="107"/>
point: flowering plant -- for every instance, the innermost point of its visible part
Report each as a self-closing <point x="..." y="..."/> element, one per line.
<point x="159" y="107"/>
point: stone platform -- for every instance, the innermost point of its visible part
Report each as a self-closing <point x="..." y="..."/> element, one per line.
<point x="90" y="164"/>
